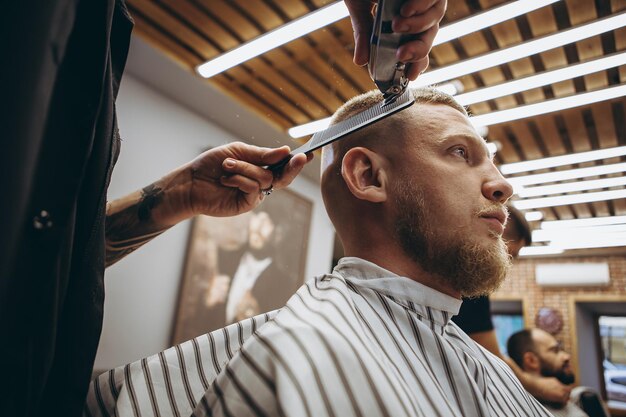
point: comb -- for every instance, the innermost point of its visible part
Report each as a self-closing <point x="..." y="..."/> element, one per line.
<point x="350" y="125"/>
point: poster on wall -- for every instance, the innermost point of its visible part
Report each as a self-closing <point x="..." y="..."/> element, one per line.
<point x="238" y="267"/>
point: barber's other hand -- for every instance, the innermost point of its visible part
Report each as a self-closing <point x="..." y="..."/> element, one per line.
<point x="551" y="390"/>
<point x="227" y="180"/>
<point x="419" y="17"/>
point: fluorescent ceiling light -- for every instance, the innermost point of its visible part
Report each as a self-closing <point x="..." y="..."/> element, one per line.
<point x="337" y="11"/>
<point x="452" y="88"/>
<point x="609" y="242"/>
<point x="549" y="106"/>
<point x="569" y="174"/>
<point x="575" y="244"/>
<point x="575" y="223"/>
<point x="539" y="250"/>
<point x="533" y="216"/>
<point x="570" y="187"/>
<point x="489" y="18"/>
<point x="587" y="233"/>
<point x="491" y="147"/>
<point x="523" y="50"/>
<point x="541" y="79"/>
<point x="275" y="38"/>
<point x="569" y="199"/>
<point x="309" y="128"/>
<point x="556" y="161"/>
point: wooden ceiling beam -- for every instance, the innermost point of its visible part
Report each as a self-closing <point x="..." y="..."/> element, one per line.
<point x="175" y="27"/>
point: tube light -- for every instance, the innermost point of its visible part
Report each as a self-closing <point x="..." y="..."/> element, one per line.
<point x="549" y="106"/>
<point x="309" y="128"/>
<point x="556" y="161"/>
<point x="592" y="243"/>
<point x="337" y="11"/>
<point x="486" y="19"/>
<point x="575" y="223"/>
<point x="491" y="147"/>
<point x="539" y="80"/>
<point x="275" y="38"/>
<point x="523" y="50"/>
<point x="540" y="250"/>
<point x="533" y="216"/>
<point x="570" y="187"/>
<point x="590" y="233"/>
<point x="569" y="199"/>
<point x="567" y="174"/>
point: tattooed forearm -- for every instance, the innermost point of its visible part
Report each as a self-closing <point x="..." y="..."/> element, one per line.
<point x="130" y="223"/>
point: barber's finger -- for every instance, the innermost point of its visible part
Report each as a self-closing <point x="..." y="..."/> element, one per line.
<point x="417" y="68"/>
<point x="420" y="22"/>
<point x="361" y="48"/>
<point x="417" y="49"/>
<point x="244" y="184"/>
<point x="254" y="172"/>
<point x="362" y="21"/>
<point x="291" y="170"/>
<point x="256" y="155"/>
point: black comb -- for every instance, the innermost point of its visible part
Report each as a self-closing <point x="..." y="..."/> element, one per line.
<point x="350" y="125"/>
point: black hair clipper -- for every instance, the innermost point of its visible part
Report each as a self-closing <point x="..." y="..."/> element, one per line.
<point x="387" y="72"/>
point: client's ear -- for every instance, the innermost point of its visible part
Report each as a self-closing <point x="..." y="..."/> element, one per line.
<point x="364" y="172"/>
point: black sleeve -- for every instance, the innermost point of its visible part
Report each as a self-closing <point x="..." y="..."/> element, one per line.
<point x="474" y="315"/>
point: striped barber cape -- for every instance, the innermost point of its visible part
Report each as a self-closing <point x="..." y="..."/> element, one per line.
<point x="361" y="341"/>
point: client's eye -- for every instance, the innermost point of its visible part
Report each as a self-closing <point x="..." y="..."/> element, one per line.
<point x="460" y="151"/>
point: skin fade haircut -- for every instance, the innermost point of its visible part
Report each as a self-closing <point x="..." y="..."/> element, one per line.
<point x="458" y="261"/>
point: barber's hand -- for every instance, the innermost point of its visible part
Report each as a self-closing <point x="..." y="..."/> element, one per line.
<point x="227" y="180"/>
<point x="419" y="17"/>
<point x="550" y="390"/>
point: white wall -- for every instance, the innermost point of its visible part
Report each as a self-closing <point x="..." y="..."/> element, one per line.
<point x="158" y="134"/>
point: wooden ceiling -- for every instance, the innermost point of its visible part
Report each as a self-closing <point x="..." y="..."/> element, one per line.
<point x="309" y="78"/>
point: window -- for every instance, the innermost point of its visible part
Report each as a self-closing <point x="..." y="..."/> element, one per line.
<point x="507" y="319"/>
<point x="613" y="342"/>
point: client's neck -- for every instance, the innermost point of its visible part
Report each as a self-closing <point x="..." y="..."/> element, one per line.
<point x="393" y="258"/>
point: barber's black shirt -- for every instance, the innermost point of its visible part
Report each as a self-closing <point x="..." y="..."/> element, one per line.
<point x="62" y="63"/>
<point x="474" y="315"/>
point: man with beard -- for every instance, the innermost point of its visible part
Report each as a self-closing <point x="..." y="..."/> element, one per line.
<point x="539" y="353"/>
<point x="420" y="209"/>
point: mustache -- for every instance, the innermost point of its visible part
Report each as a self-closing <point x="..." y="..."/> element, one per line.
<point x="490" y="208"/>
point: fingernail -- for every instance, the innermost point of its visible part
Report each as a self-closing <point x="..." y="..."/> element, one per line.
<point x="403" y="28"/>
<point x="229" y="163"/>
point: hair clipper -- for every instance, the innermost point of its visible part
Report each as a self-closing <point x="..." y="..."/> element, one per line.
<point x="386" y="71"/>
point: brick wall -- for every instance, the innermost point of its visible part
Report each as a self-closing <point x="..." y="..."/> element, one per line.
<point x="520" y="284"/>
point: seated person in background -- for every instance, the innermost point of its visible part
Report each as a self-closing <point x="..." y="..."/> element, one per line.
<point x="537" y="352"/>
<point x="420" y="209"/>
<point x="474" y="318"/>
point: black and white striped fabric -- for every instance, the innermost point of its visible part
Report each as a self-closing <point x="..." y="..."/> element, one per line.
<point x="361" y="341"/>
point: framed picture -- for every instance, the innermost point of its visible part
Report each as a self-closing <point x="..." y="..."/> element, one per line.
<point x="238" y="267"/>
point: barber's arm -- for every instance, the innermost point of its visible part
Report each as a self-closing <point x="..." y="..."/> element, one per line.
<point x="223" y="181"/>
<point x="419" y="17"/>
